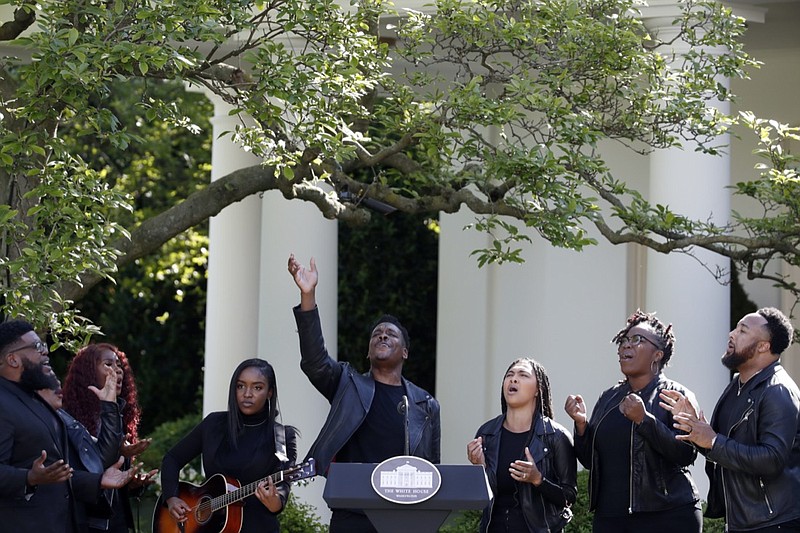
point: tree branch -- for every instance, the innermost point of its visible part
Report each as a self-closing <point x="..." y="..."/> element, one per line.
<point x="24" y="17"/>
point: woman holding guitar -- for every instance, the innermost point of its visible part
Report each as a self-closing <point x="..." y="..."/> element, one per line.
<point x="244" y="443"/>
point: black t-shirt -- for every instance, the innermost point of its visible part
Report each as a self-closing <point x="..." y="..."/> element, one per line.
<point x="732" y="406"/>
<point x="512" y="447"/>
<point x="382" y="434"/>
<point x="613" y="445"/>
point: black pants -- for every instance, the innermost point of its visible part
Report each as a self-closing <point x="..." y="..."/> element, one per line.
<point x="686" y="519"/>
<point x="507" y="521"/>
<point x="786" y="527"/>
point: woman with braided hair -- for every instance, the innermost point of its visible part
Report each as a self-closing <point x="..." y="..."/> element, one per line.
<point x="639" y="473"/>
<point x="529" y="458"/>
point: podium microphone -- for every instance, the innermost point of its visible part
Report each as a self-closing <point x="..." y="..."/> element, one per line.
<point x="402" y="408"/>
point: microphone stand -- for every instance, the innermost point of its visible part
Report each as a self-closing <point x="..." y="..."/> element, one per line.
<point x="402" y="408"/>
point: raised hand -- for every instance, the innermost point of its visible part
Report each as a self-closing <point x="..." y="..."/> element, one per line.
<point x="475" y="451"/>
<point x="45" y="475"/>
<point x="109" y="391"/>
<point x="632" y="408"/>
<point x="115" y="478"/>
<point x="131" y="449"/>
<point x="305" y="278"/>
<point x="526" y="471"/>
<point x="576" y="409"/>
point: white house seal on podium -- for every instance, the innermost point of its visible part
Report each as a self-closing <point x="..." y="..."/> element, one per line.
<point x="406" y="479"/>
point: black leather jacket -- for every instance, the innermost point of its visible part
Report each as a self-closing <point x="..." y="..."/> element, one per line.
<point x="546" y="507"/>
<point x="755" y="470"/>
<point x="95" y="457"/>
<point x="659" y="470"/>
<point x="350" y="394"/>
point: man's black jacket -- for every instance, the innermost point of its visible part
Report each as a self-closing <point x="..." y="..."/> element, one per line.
<point x="755" y="470"/>
<point x="350" y="394"/>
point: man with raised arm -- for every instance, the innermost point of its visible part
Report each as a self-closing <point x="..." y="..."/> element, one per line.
<point x="364" y="424"/>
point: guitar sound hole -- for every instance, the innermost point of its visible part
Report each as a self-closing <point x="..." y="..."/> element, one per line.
<point x="203" y="512"/>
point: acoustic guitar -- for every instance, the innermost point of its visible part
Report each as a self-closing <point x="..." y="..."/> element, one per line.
<point x="216" y="504"/>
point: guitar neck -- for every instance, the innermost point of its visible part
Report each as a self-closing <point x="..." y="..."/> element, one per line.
<point x="241" y="493"/>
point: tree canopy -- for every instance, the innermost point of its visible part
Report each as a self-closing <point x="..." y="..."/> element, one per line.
<point x="498" y="106"/>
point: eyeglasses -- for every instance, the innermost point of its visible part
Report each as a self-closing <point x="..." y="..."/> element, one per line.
<point x="39" y="346"/>
<point x="635" y="340"/>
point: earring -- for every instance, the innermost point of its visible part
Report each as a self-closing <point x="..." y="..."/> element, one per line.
<point x="654" y="367"/>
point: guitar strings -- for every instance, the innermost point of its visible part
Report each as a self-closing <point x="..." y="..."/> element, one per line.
<point x="215" y="504"/>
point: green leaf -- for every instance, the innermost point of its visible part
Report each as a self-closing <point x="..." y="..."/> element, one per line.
<point x="6" y="213"/>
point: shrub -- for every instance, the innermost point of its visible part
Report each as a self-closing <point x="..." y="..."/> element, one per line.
<point x="298" y="517"/>
<point x="463" y="522"/>
<point x="581" y="517"/>
<point x="468" y="521"/>
<point x="165" y="437"/>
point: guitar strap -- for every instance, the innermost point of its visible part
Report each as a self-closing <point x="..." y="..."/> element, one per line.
<point x="280" y="443"/>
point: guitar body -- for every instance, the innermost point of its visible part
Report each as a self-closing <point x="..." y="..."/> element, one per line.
<point x="217" y="504"/>
<point x="202" y="519"/>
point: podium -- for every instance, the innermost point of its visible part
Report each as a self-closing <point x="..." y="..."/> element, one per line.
<point x="463" y="487"/>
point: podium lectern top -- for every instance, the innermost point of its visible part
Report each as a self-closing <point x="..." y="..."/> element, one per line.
<point x="463" y="487"/>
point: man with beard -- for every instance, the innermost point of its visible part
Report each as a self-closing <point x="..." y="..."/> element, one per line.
<point x="37" y="485"/>
<point x="752" y="445"/>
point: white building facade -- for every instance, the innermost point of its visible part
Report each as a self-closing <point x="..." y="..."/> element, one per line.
<point x="560" y="307"/>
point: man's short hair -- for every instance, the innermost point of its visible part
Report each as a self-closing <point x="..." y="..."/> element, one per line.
<point x="391" y="319"/>
<point x="779" y="327"/>
<point x="10" y="331"/>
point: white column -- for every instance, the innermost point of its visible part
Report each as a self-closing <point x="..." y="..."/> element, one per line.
<point x="790" y="359"/>
<point x="233" y="271"/>
<point x="299" y="228"/>
<point x="465" y="368"/>
<point x="683" y="290"/>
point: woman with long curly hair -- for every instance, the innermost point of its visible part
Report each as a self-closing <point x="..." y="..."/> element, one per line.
<point x="89" y="368"/>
